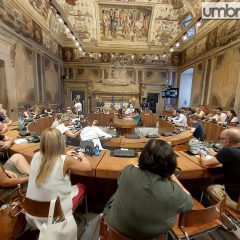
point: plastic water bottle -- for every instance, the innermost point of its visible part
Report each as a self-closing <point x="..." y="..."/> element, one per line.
<point x="97" y="152"/>
<point x="20" y="122"/>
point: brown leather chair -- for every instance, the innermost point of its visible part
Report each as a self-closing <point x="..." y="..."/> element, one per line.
<point x="38" y="208"/>
<point x="41" y="209"/>
<point x="106" y="232"/>
<point x="198" y="221"/>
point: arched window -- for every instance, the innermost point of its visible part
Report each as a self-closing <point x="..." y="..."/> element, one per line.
<point x="191" y="32"/>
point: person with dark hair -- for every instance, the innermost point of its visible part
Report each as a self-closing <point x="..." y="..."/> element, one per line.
<point x="229" y="157"/>
<point x="120" y="113"/>
<point x="197" y="129"/>
<point x="180" y="118"/>
<point x="149" y="196"/>
<point x="220" y="116"/>
<point x="231" y="117"/>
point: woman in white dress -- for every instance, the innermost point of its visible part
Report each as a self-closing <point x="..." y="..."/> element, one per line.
<point x="49" y="175"/>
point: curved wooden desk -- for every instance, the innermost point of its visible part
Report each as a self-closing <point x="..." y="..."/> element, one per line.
<point x="165" y="126"/>
<point x="124" y="125"/>
<point x="177" y="139"/>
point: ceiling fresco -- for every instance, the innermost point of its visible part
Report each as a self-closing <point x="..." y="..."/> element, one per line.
<point x="141" y="24"/>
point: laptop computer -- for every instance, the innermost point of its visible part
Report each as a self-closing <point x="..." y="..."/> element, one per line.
<point x="124" y="153"/>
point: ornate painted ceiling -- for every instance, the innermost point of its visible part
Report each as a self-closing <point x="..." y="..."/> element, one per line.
<point x="127" y="25"/>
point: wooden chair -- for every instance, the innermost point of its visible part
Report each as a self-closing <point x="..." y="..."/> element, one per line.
<point x="200" y="220"/>
<point x="106" y="232"/>
<point x="38" y="208"/>
<point x="232" y="213"/>
<point x="41" y="208"/>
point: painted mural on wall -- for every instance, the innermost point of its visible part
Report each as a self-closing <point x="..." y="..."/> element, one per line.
<point x="12" y="17"/>
<point x="124" y="23"/>
<point x="27" y="27"/>
<point x="222" y="35"/>
<point x="41" y="6"/>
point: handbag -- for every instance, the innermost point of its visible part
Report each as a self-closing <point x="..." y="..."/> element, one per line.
<point x="58" y="230"/>
<point x="12" y="220"/>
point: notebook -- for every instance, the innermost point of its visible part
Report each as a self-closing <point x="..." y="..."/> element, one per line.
<point x="124" y="153"/>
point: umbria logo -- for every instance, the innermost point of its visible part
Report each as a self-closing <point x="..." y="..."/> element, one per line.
<point x="221" y="10"/>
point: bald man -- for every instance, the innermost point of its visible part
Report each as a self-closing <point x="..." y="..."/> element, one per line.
<point x="229" y="158"/>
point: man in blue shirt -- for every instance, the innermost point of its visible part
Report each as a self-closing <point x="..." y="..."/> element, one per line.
<point x="197" y="129"/>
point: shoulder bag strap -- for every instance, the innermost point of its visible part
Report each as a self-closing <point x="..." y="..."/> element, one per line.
<point x="51" y="211"/>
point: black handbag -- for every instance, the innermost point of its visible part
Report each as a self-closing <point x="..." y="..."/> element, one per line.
<point x="88" y="145"/>
<point x="24" y="133"/>
<point x="33" y="139"/>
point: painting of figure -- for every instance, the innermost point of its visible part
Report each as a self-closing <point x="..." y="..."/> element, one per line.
<point x="41" y="6"/>
<point x="118" y="23"/>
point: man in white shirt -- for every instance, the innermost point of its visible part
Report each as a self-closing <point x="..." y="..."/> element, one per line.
<point x="220" y="116"/>
<point x="180" y="118"/>
<point x="94" y="133"/>
<point x="78" y="106"/>
<point x="65" y="121"/>
<point x="130" y="109"/>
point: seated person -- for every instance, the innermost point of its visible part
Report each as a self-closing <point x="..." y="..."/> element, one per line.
<point x="3" y="128"/>
<point x="56" y="120"/>
<point x="49" y="108"/>
<point x="137" y="115"/>
<point x="5" y="142"/>
<point x="149" y="196"/>
<point x="197" y="129"/>
<point x="63" y="127"/>
<point x="229" y="157"/>
<point x="120" y="113"/>
<point x="94" y="133"/>
<point x="15" y="171"/>
<point x="232" y="118"/>
<point x="28" y="112"/>
<point x="180" y="118"/>
<point x="130" y="109"/>
<point x="3" y="116"/>
<point x="220" y="116"/>
<point x="112" y="106"/>
<point x="202" y="111"/>
<point x="49" y="175"/>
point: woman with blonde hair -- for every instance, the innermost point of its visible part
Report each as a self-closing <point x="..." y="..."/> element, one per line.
<point x="49" y="173"/>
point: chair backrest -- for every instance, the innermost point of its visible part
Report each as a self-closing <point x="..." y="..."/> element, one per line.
<point x="38" y="208"/>
<point x="202" y="216"/>
<point x="106" y="232"/>
<point x="238" y="203"/>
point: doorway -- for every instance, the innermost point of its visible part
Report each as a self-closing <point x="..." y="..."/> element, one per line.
<point x="152" y="100"/>
<point x="185" y="88"/>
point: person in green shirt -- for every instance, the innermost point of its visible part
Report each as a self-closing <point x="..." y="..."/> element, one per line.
<point x="149" y="196"/>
